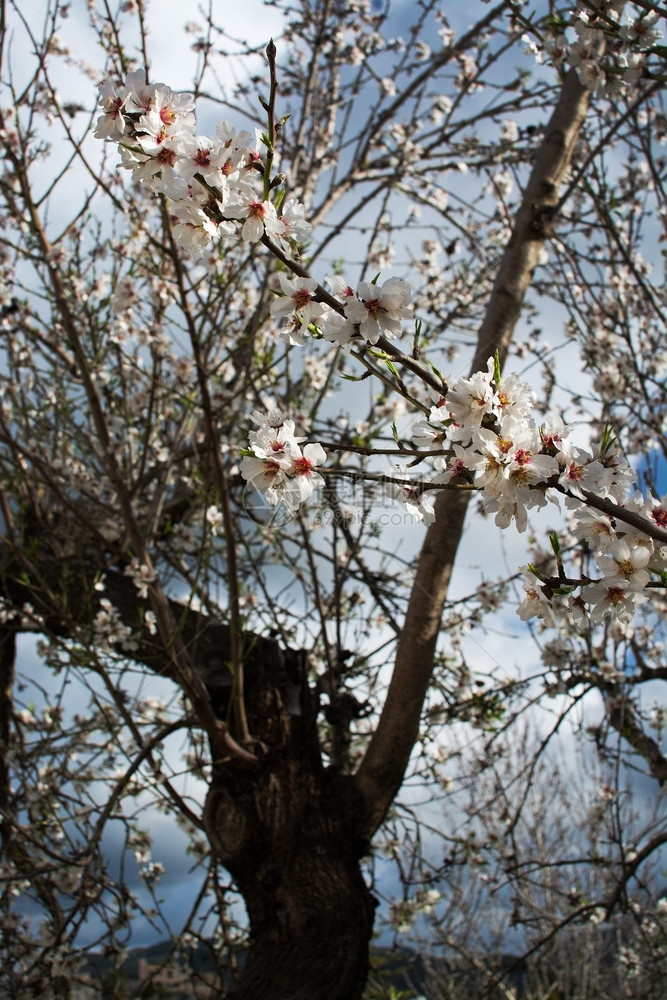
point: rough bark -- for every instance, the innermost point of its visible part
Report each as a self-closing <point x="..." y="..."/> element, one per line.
<point x="291" y="837"/>
<point x="623" y="718"/>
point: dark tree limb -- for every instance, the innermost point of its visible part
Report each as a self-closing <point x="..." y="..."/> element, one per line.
<point x="7" y="671"/>
<point x="623" y="718"/>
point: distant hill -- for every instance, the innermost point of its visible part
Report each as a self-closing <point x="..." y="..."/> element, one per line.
<point x="401" y="969"/>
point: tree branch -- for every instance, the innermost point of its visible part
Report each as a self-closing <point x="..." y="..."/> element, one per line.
<point x="62" y="594"/>
<point x="381" y="772"/>
<point x="623" y="718"/>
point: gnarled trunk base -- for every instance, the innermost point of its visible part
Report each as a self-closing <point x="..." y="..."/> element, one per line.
<point x="290" y="832"/>
<point x="310" y="931"/>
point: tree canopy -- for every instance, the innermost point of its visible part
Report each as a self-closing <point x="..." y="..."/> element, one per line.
<point x="297" y="333"/>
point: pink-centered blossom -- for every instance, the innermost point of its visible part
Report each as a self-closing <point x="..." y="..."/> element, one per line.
<point x="623" y="563"/>
<point x="279" y="467"/>
<point x="378" y="308"/>
<point x="111" y="124"/>
<point x="536" y="603"/>
<point x="208" y="159"/>
<point x="414" y="501"/>
<point x="298" y="298"/>
<point x="258" y="216"/>
<point x="615" y="599"/>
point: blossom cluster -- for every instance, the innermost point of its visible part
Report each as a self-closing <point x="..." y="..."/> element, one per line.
<point x="626" y="558"/>
<point x="486" y="427"/>
<point x="483" y="435"/>
<point x="371" y="311"/>
<point x="276" y="464"/>
<point x="608" y="48"/>
<point x="215" y="187"/>
<point x="403" y="913"/>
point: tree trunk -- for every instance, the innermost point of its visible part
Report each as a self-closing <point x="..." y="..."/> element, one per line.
<point x="289" y="832"/>
<point x="311" y="918"/>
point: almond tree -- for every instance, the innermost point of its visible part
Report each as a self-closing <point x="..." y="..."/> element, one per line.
<point x="153" y="309"/>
